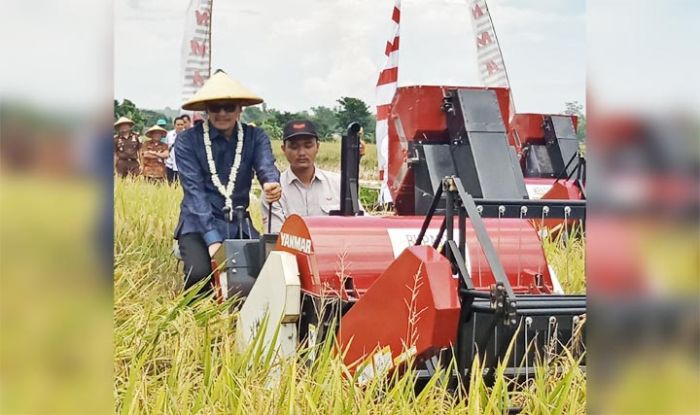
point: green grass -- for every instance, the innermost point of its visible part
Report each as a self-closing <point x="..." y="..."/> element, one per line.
<point x="173" y="358"/>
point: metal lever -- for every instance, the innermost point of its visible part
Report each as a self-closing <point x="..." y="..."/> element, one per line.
<point x="269" y="218"/>
<point x="240" y="215"/>
<point x="228" y="213"/>
<point x="350" y="173"/>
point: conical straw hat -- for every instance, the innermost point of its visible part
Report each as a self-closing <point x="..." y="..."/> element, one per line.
<point x="154" y="129"/>
<point x="220" y="87"/>
<point x="123" y="120"/>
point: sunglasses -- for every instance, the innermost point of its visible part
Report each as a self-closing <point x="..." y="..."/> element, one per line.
<point x="218" y="107"/>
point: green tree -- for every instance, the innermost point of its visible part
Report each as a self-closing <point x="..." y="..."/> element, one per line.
<point x="269" y="122"/>
<point x="143" y="118"/>
<point x="151" y="117"/>
<point x="326" y="121"/>
<point x="273" y="130"/>
<point x="128" y="109"/>
<point x="370" y="130"/>
<point x="355" y="110"/>
<point x="576" y="108"/>
<point x="273" y="121"/>
<point x="253" y="114"/>
<point x="286" y="116"/>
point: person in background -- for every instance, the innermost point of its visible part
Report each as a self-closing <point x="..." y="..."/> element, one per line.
<point x="197" y="119"/>
<point x="126" y="148"/>
<point x="153" y="154"/>
<point x="216" y="161"/>
<point x="188" y="121"/>
<point x="170" y="164"/>
<point x="307" y="190"/>
<point x="162" y="123"/>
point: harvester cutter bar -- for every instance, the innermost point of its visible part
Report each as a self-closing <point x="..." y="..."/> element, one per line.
<point x="489" y="321"/>
<point x="541" y="333"/>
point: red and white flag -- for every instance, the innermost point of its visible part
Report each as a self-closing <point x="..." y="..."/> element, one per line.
<point x="386" y="87"/>
<point x="196" y="47"/>
<point x="492" y="70"/>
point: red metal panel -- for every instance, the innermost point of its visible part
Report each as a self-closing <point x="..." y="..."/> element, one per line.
<point x="361" y="248"/>
<point x="564" y="190"/>
<point x="418" y="109"/>
<point x="529" y="129"/>
<point x="413" y="303"/>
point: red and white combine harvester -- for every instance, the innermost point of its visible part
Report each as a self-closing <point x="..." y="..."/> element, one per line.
<point x="458" y="271"/>
<point x="536" y="156"/>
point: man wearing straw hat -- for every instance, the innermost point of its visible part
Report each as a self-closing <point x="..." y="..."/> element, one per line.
<point x="153" y="154"/>
<point x="126" y="148"/>
<point x="216" y="161"/>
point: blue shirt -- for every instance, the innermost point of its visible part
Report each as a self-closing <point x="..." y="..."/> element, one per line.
<point x="202" y="204"/>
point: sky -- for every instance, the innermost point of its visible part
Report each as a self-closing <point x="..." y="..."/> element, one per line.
<point x="305" y="53"/>
<point x="644" y="56"/>
<point x="79" y="54"/>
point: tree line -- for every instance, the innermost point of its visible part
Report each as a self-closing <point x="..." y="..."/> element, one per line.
<point x="330" y="122"/>
<point x="142" y="118"/>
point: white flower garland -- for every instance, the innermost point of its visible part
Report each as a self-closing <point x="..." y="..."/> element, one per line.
<point x="226" y="192"/>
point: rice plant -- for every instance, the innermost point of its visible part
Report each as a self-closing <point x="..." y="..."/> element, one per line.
<point x="174" y="357"/>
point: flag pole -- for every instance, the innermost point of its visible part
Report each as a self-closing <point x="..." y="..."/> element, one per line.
<point x="211" y="17"/>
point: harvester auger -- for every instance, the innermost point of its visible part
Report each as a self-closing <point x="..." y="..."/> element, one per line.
<point x="459" y="270"/>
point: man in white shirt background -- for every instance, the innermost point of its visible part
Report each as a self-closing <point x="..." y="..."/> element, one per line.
<point x="170" y="164"/>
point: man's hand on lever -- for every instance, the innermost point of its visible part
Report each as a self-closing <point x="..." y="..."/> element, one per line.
<point x="273" y="192"/>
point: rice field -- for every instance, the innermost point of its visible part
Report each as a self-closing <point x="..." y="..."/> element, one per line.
<point x="172" y="358"/>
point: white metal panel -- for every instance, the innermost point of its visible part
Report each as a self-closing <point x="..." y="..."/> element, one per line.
<point x="277" y="296"/>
